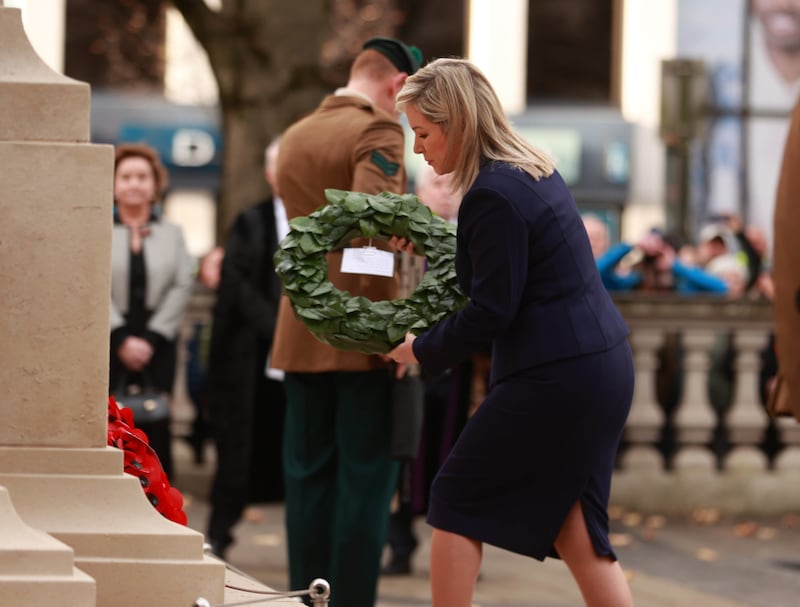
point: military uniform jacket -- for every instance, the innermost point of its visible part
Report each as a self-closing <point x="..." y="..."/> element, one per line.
<point x="345" y="144"/>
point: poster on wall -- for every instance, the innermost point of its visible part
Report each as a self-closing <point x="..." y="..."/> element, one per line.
<point x="772" y="87"/>
<point x="774" y="55"/>
<point x="752" y="53"/>
<point x="711" y="30"/>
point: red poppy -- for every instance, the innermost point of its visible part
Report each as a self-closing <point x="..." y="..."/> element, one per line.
<point x="142" y="462"/>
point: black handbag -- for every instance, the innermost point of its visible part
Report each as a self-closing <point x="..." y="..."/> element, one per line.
<point x="408" y="406"/>
<point x="148" y="404"/>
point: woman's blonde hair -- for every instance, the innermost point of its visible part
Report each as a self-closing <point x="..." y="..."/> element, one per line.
<point x="456" y="95"/>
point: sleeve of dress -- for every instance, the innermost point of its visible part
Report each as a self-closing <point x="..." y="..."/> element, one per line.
<point x="167" y="318"/>
<point x="496" y="239"/>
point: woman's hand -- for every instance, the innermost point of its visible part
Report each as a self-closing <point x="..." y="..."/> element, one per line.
<point x="402" y="244"/>
<point x="404" y="353"/>
<point x="135" y="353"/>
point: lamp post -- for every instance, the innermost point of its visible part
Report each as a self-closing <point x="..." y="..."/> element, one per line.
<point x="684" y="98"/>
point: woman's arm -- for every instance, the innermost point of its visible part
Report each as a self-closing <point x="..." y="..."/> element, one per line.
<point x="169" y="309"/>
<point x="496" y="240"/>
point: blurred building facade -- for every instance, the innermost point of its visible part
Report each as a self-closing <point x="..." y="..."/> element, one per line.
<point x="582" y="78"/>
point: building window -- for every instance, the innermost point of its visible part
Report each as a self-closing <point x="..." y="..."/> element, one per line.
<point x="572" y="51"/>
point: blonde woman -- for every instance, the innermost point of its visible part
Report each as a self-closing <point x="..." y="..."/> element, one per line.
<point x="531" y="471"/>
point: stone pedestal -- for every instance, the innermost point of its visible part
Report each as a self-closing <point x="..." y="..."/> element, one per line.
<point x="35" y="569"/>
<point x="55" y="238"/>
<point x="136" y="555"/>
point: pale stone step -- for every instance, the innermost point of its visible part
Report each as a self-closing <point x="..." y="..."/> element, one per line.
<point x="35" y="568"/>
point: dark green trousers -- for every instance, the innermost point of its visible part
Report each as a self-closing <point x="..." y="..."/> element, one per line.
<point x="339" y="479"/>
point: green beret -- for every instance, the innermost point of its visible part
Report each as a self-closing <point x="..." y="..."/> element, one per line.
<point x="405" y="58"/>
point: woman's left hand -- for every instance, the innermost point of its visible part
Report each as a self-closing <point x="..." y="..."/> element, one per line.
<point x="404" y="353"/>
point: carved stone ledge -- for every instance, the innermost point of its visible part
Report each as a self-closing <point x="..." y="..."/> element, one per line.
<point x="687" y="311"/>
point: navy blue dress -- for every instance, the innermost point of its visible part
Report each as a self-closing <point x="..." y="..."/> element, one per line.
<point x="562" y="375"/>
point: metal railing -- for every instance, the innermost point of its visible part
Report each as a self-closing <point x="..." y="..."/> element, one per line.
<point x="319" y="591"/>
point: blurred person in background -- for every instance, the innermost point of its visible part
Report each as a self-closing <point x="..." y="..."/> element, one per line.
<point x="599" y="235"/>
<point x="152" y="275"/>
<point x="656" y="267"/>
<point x="246" y="406"/>
<point x="608" y="257"/>
<point x="728" y="234"/>
<point x="197" y="347"/>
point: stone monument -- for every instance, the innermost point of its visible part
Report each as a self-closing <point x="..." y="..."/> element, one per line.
<point x="65" y="483"/>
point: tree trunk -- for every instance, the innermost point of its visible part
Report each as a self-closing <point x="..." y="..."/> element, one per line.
<point x="274" y="60"/>
<point x="265" y="57"/>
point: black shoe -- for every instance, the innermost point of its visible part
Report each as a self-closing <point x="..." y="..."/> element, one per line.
<point x="397" y="566"/>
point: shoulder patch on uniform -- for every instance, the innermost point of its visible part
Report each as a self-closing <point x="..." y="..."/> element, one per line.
<point x="384" y="164"/>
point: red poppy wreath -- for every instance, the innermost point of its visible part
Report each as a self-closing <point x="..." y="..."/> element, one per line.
<point x="143" y="463"/>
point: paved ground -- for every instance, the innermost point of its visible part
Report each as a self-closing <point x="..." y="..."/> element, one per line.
<point x="697" y="562"/>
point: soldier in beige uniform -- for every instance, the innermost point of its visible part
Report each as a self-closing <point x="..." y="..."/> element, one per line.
<point x="339" y="473"/>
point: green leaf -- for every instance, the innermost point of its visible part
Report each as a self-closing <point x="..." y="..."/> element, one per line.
<point x="400" y="225"/>
<point x="335" y="196"/>
<point x="381" y="206"/>
<point x="355" y="204"/>
<point x="385" y="219"/>
<point x="368" y="229"/>
<point x="396" y="333"/>
<point x="305" y="224"/>
<point x="422" y="214"/>
<point x="309" y="314"/>
<point x="322" y="289"/>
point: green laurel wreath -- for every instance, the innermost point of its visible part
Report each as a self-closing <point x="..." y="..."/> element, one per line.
<point x="356" y="323"/>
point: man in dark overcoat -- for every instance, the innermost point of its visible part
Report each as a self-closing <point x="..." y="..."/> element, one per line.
<point x="246" y="406"/>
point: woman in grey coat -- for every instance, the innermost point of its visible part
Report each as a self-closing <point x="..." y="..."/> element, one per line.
<point x="151" y="282"/>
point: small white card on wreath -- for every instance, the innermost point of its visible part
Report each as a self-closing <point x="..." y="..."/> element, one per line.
<point x="368" y="260"/>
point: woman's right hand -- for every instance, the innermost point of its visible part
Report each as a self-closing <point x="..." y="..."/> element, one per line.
<point x="402" y="244"/>
<point x="135" y="353"/>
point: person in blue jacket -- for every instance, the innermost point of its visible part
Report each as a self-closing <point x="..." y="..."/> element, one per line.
<point x="659" y="269"/>
<point x="531" y="470"/>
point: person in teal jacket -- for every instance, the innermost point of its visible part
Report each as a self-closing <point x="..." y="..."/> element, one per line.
<point x="659" y="268"/>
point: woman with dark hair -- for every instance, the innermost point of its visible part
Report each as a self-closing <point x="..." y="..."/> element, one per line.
<point x="151" y="282"/>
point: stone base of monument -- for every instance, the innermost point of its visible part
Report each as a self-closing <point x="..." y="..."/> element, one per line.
<point x="135" y="555"/>
<point x="37" y="570"/>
